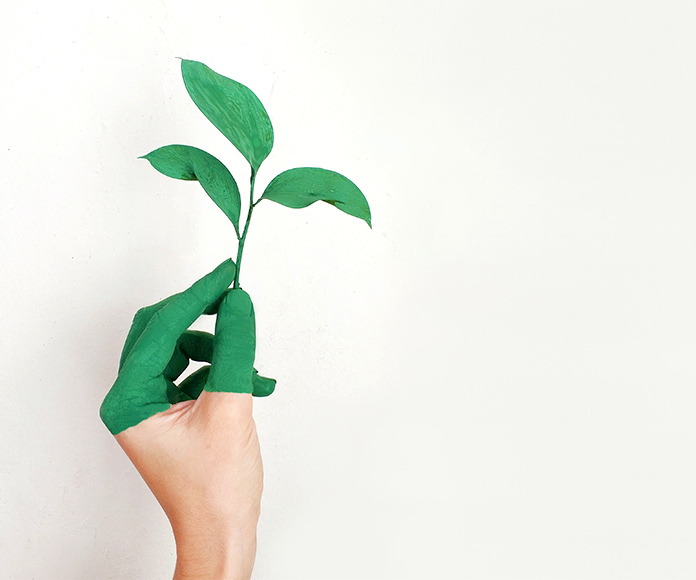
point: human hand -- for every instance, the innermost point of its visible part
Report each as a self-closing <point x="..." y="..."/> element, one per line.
<point x="195" y="444"/>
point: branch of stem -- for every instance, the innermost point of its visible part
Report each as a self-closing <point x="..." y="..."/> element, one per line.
<point x="240" y="247"/>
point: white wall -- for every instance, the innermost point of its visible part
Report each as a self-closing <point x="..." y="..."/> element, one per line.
<point x="496" y="382"/>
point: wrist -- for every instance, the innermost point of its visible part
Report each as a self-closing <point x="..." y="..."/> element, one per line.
<point x="207" y="552"/>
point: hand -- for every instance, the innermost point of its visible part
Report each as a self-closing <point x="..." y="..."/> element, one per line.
<point x="195" y="444"/>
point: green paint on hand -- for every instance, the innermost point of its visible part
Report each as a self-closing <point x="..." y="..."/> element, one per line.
<point x="235" y="345"/>
<point x="159" y="347"/>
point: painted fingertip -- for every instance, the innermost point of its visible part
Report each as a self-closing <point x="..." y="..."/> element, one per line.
<point x="226" y="269"/>
<point x="227" y="264"/>
<point x="238" y="301"/>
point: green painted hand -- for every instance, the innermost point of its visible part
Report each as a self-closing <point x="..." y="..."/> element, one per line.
<point x="159" y="347"/>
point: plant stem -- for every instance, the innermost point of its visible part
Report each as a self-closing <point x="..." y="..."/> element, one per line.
<point x="240" y="247"/>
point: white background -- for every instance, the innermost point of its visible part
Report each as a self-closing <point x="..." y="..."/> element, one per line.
<point x="496" y="382"/>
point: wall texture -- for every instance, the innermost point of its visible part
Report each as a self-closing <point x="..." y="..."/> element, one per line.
<point x="496" y="382"/>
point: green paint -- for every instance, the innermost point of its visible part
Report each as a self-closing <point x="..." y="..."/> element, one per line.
<point x="159" y="347"/>
<point x="192" y="164"/>
<point x="234" y="109"/>
<point x="234" y="342"/>
<point x="240" y="246"/>
<point x="303" y="186"/>
<point x="241" y="117"/>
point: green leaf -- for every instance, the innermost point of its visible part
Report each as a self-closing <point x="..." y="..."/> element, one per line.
<point x="190" y="163"/>
<point x="303" y="186"/>
<point x="233" y="108"/>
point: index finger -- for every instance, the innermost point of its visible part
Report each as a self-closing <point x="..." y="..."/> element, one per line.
<point x="157" y="342"/>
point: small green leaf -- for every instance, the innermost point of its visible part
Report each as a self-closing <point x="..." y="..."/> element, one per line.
<point x="190" y="163"/>
<point x="303" y="186"/>
<point x="233" y="108"/>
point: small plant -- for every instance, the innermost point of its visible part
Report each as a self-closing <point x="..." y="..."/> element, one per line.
<point x="239" y="115"/>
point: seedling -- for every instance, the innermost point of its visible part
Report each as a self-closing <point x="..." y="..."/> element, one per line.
<point x="239" y="115"/>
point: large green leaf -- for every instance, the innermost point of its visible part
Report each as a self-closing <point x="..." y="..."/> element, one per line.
<point x="190" y="163"/>
<point x="233" y="108"/>
<point x="303" y="186"/>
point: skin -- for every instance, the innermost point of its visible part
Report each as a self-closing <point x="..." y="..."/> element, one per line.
<point x="195" y="444"/>
<point x="201" y="459"/>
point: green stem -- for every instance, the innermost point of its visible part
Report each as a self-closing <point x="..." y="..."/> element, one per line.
<point x="240" y="247"/>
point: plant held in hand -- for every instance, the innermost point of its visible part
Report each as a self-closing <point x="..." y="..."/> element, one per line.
<point x="239" y="115"/>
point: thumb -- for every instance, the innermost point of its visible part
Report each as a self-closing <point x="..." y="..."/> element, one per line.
<point x="234" y="345"/>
